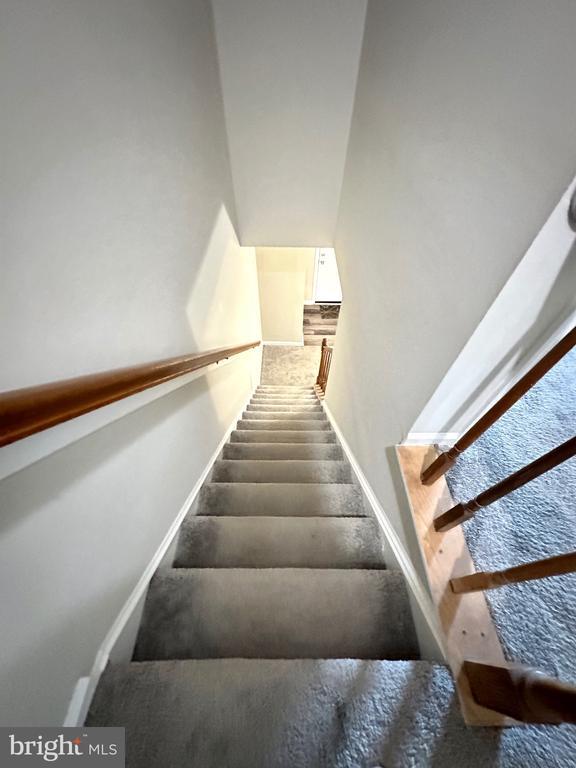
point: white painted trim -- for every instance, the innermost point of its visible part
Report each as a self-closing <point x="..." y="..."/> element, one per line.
<point x="77" y="703"/>
<point x="431" y="438"/>
<point x="415" y="584"/>
<point x="283" y="343"/>
<point x="86" y="686"/>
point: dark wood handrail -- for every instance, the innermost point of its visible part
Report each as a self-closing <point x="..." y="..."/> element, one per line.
<point x="23" y="412"/>
<point x="537" y="569"/>
<point x="443" y="463"/>
<point x="465" y="510"/>
<point x="522" y="693"/>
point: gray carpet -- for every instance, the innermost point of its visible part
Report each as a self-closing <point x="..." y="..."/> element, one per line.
<point x="289" y="365"/>
<point x="277" y="570"/>
<point x="285" y="499"/>
<point x="276" y="613"/>
<point x="279" y="542"/>
<point x="536" y="620"/>
<point x="320" y="451"/>
<point x="241" y="713"/>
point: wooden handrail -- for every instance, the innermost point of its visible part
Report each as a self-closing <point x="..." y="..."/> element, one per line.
<point x="443" y="463"/>
<point x="325" y="362"/>
<point x="464" y="511"/>
<point x="522" y="693"/>
<point x="537" y="569"/>
<point x="24" y="412"/>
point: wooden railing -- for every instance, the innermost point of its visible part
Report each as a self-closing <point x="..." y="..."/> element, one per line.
<point x="465" y="510"/>
<point x="443" y="463"/>
<point x="24" y="412"/>
<point x="513" y="691"/>
<point x="522" y="693"/>
<point x="539" y="569"/>
<point x="325" y="362"/>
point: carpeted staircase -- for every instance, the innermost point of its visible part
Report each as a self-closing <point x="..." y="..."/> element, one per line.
<point x="278" y="638"/>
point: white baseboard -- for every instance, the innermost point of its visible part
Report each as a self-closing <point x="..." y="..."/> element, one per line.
<point x="86" y="686"/>
<point x="417" y="588"/>
<point x="283" y="343"/>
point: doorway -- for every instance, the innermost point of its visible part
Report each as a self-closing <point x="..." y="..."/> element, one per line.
<point x="327" y="288"/>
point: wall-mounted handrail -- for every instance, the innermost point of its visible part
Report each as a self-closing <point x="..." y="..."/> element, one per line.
<point x="537" y="569"/>
<point x="467" y="509"/>
<point x="24" y="412"/>
<point x="522" y="693"/>
<point x="443" y="463"/>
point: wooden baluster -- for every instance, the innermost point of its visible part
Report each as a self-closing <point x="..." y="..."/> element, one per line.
<point x="325" y="359"/>
<point x="443" y="463"/>
<point x="320" y="376"/>
<point x="522" y="693"/>
<point x="464" y="511"/>
<point x="538" y="569"/>
<point x="328" y="364"/>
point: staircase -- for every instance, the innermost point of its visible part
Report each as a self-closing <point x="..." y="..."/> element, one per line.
<point x="278" y="571"/>
<point x="278" y="638"/>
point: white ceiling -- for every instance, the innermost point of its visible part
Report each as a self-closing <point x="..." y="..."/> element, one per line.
<point x="289" y="70"/>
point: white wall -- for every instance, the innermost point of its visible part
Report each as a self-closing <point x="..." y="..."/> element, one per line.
<point x="288" y="74"/>
<point x="117" y="246"/>
<point x="462" y="142"/>
<point x="536" y="307"/>
<point x="285" y="282"/>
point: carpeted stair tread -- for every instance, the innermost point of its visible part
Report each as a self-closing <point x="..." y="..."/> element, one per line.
<point x="257" y="408"/>
<point x="276" y="613"/>
<point x="316" y="415"/>
<point x="303" y="424"/>
<point x="281" y="471"/>
<point x="279" y="542"/>
<point x="283" y="404"/>
<point x="286" y="391"/>
<point x="282" y="499"/>
<point x="308" y="713"/>
<point x="264" y="451"/>
<point x="282" y="436"/>
<point x="285" y="386"/>
<point x="288" y="396"/>
<point x="284" y="399"/>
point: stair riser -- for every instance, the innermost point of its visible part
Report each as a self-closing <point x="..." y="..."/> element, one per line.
<point x="292" y="471"/>
<point x="295" y="390"/>
<point x="282" y="436"/>
<point x="277" y="613"/>
<point x="283" y="424"/>
<point x="265" y="451"/>
<point x="278" y="542"/>
<point x="281" y="500"/>
<point x="282" y="406"/>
